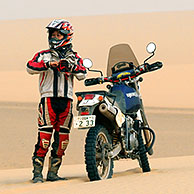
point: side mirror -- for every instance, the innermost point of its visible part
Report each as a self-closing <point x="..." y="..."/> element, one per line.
<point x="151" y="47"/>
<point x="87" y="63"/>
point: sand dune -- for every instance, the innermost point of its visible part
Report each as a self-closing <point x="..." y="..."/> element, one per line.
<point x="168" y="175"/>
<point x="173" y="128"/>
<point x="94" y="35"/>
<point x="167" y="87"/>
<point x="171" y="31"/>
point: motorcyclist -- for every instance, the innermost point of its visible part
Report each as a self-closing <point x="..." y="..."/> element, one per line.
<point x="56" y="67"/>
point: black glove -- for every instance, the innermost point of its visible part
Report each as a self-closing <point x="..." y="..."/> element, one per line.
<point x="65" y="66"/>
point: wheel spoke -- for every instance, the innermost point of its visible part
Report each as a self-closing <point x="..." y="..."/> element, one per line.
<point x="102" y="160"/>
<point x="99" y="156"/>
<point x="105" y="162"/>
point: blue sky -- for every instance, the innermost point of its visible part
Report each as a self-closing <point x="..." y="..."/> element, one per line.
<point x="25" y="9"/>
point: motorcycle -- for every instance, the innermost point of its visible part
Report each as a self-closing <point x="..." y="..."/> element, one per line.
<point x="115" y="119"/>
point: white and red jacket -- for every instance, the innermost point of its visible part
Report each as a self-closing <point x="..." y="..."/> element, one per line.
<point x="56" y="82"/>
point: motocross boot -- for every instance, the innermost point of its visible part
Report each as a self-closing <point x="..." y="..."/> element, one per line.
<point x="54" y="164"/>
<point x="38" y="163"/>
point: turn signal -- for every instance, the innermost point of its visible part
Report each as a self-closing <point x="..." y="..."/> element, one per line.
<point x="79" y="98"/>
<point x="101" y="98"/>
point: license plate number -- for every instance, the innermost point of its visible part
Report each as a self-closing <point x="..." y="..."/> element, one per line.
<point x="84" y="121"/>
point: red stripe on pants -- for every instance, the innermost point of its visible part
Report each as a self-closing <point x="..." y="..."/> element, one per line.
<point x="52" y="114"/>
<point x="63" y="116"/>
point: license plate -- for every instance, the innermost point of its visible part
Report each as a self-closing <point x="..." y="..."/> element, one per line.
<point x="84" y="121"/>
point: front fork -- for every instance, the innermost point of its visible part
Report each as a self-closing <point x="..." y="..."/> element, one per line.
<point x="142" y="117"/>
<point x="146" y="132"/>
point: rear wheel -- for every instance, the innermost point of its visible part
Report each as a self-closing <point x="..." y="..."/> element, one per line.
<point x="98" y="144"/>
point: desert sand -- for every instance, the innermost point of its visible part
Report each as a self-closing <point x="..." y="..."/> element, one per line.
<point x="167" y="96"/>
<point x="169" y="175"/>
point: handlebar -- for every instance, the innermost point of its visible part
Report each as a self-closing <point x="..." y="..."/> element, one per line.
<point x="125" y="76"/>
<point x="91" y="81"/>
<point x="155" y="66"/>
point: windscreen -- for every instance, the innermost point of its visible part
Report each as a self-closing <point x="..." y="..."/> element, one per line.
<point x="118" y="53"/>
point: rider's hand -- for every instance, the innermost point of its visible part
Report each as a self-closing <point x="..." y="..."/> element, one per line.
<point x="65" y="66"/>
<point x="53" y="64"/>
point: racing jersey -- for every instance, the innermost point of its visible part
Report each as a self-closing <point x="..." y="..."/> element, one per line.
<point x="57" y="82"/>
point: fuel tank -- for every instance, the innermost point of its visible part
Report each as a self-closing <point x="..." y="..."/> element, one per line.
<point x="127" y="98"/>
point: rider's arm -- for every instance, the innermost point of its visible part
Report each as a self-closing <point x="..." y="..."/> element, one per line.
<point x="37" y="64"/>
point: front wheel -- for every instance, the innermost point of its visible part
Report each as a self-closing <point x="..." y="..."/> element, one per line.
<point x="99" y="164"/>
<point x="143" y="159"/>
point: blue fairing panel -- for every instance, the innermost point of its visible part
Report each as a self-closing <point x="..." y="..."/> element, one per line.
<point x="127" y="98"/>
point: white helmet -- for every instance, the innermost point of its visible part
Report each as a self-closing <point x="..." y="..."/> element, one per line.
<point x="65" y="28"/>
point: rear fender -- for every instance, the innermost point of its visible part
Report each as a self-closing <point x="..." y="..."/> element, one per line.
<point x="89" y="105"/>
<point x="90" y="102"/>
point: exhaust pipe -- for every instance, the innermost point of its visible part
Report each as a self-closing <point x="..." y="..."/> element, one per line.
<point x="108" y="111"/>
<point x="113" y="114"/>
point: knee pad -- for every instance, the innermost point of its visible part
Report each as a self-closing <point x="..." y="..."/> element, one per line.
<point x="43" y="143"/>
<point x="63" y="143"/>
<point x="45" y="140"/>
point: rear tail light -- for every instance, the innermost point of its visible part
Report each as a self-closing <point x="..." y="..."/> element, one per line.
<point x="89" y="96"/>
<point x="84" y="113"/>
